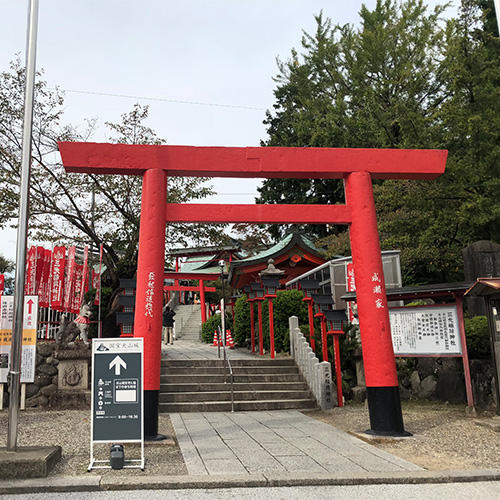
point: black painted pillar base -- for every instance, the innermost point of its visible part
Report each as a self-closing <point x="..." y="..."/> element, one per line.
<point x="384" y="406"/>
<point x="151" y="399"/>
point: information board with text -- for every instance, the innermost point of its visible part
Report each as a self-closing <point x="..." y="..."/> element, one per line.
<point x="28" y="351"/>
<point x="425" y="330"/>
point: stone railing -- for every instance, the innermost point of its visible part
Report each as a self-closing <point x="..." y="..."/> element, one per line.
<point x="318" y="375"/>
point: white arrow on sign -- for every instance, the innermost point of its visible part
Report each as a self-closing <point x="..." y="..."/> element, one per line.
<point x="117" y="364"/>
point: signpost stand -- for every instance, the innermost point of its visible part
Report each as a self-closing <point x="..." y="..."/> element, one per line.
<point x="29" y="337"/>
<point x="117" y="397"/>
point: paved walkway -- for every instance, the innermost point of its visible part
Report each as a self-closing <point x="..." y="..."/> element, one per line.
<point x="185" y="349"/>
<point x="280" y="441"/>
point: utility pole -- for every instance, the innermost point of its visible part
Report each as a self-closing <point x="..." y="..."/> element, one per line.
<point x="22" y="229"/>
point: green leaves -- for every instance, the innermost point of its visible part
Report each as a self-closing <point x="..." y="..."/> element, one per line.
<point x="406" y="78"/>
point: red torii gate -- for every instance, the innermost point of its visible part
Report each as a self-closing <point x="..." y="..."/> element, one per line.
<point x="356" y="166"/>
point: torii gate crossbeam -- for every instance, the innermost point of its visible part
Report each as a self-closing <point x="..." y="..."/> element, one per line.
<point x="356" y="166"/>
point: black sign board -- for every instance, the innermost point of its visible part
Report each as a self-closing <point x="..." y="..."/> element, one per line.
<point x="117" y="390"/>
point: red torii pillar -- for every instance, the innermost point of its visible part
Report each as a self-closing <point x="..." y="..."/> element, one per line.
<point x="356" y="166"/>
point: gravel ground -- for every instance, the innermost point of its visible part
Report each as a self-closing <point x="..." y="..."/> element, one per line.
<point x="70" y="429"/>
<point x="443" y="437"/>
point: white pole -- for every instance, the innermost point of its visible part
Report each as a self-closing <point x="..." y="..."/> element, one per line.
<point x="497" y="9"/>
<point x="22" y="229"/>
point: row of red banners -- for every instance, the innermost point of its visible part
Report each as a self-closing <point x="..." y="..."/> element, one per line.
<point x="58" y="280"/>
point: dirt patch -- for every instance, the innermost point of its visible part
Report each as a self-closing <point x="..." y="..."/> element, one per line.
<point x="70" y="429"/>
<point x="443" y="437"/>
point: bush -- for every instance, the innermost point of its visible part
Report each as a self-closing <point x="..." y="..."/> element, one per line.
<point x="478" y="337"/>
<point x="211" y="325"/>
<point x="242" y="321"/>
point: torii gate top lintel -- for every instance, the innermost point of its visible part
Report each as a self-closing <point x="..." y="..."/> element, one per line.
<point x="251" y="162"/>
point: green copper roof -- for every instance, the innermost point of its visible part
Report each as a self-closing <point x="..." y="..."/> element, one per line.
<point x="276" y="249"/>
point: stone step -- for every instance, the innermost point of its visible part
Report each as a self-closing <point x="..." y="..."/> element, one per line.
<point x="219" y="370"/>
<point x="196" y="397"/>
<point x="238" y="386"/>
<point x="245" y="378"/>
<point x="234" y="362"/>
<point x="261" y="405"/>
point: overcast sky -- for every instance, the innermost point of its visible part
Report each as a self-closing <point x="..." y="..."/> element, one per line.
<point x="218" y="52"/>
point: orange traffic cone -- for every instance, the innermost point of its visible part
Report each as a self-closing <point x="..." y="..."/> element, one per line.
<point x="229" y="339"/>
<point x="216" y="340"/>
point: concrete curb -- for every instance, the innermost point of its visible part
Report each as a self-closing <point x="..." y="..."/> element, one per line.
<point x="145" y="482"/>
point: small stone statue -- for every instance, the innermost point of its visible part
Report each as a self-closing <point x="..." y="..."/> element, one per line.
<point x="69" y="331"/>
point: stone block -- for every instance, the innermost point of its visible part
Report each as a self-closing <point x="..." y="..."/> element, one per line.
<point x="415" y="381"/>
<point x="358" y="394"/>
<point x="32" y="390"/>
<point x="45" y="349"/>
<point x="451" y="387"/>
<point x="49" y="389"/>
<point x="27" y="462"/>
<point x="42" y="380"/>
<point x="46" y="369"/>
<point x="73" y="375"/>
<point x="427" y="387"/>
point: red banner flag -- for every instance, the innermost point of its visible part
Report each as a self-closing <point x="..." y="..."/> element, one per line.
<point x="40" y="262"/>
<point x="78" y="288"/>
<point x="351" y="286"/>
<point x="85" y="274"/>
<point x="2" y="283"/>
<point x="30" y="280"/>
<point x="69" y="284"/>
<point x="43" y="289"/>
<point x="57" y="278"/>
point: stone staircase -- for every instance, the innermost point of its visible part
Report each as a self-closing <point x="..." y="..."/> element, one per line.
<point x="188" y="322"/>
<point x="259" y="384"/>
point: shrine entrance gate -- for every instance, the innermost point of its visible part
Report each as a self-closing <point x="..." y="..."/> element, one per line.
<point x="357" y="167"/>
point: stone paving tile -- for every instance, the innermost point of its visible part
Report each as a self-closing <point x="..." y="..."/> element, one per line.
<point x="194" y="463"/>
<point x="225" y="466"/>
<point x="300" y="464"/>
<point x="267" y="442"/>
<point x="281" y="448"/>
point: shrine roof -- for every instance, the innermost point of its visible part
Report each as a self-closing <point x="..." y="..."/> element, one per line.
<point x="484" y="287"/>
<point x="181" y="252"/>
<point x="285" y="244"/>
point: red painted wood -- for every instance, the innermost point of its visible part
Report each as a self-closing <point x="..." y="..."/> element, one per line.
<point x="150" y="267"/>
<point x="261" y="338"/>
<point x="179" y="288"/>
<point x="191" y="276"/>
<point x="324" y="344"/>
<point x="260" y="162"/>
<point x="311" y="325"/>
<point x="271" y="327"/>
<point x="252" y="325"/>
<point x="258" y="214"/>
<point x="376" y="342"/>
<point x="465" y="354"/>
<point x="338" y="372"/>
<point x="203" y="307"/>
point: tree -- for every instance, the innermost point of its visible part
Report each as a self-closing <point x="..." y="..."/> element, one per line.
<point x="83" y="209"/>
<point x="6" y="267"/>
<point x="405" y="79"/>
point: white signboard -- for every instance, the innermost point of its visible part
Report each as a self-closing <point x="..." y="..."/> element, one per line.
<point x="425" y="330"/>
<point x="28" y="353"/>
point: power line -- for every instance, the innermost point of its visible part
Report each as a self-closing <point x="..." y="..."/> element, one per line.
<point x="164" y="99"/>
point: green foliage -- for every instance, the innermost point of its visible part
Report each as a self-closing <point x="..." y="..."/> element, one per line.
<point x="287" y="303"/>
<point x="405" y="78"/>
<point x="76" y="208"/>
<point x="209" y="327"/>
<point x="212" y="325"/>
<point x="478" y="337"/>
<point x="242" y="321"/>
